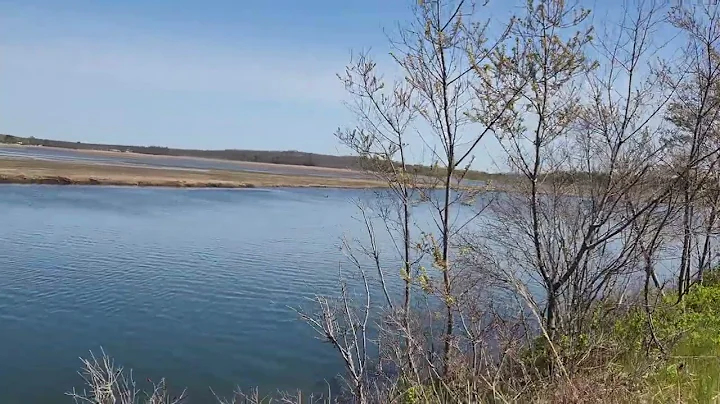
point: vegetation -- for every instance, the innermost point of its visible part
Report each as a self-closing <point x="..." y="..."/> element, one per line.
<point x="687" y="363"/>
<point x="553" y="292"/>
<point x="633" y="368"/>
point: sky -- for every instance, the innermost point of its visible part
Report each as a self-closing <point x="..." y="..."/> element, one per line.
<point x="246" y="74"/>
<point x="201" y="74"/>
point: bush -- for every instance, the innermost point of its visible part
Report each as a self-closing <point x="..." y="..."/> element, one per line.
<point x="677" y="354"/>
<point x="671" y="355"/>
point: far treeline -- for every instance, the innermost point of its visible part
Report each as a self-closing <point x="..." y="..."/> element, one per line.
<point x="290" y="157"/>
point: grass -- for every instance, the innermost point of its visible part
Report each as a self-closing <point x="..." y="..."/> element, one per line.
<point x="621" y="360"/>
<point x="689" y="370"/>
<point x="74" y="173"/>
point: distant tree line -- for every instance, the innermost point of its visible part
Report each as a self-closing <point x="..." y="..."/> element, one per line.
<point x="290" y="157"/>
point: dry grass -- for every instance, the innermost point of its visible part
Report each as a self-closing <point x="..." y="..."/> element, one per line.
<point x="105" y="382"/>
<point x="68" y="173"/>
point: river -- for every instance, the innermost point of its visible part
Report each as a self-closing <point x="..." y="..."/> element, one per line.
<point x="191" y="285"/>
<point x="194" y="285"/>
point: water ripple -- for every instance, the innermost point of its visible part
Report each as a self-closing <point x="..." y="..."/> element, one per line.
<point x="193" y="285"/>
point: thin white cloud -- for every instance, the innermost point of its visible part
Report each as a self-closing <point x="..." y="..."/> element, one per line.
<point x="85" y="75"/>
<point x="270" y="75"/>
<point x="121" y="50"/>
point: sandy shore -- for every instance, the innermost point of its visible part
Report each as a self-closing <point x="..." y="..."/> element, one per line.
<point x="22" y="171"/>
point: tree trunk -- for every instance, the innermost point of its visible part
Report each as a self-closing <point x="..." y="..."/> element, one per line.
<point x="449" y="322"/>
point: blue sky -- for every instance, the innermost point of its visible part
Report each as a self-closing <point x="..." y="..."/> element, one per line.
<point x="250" y="74"/>
<point x="203" y="74"/>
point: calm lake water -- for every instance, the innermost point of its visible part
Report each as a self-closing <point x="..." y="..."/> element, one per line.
<point x="189" y="284"/>
<point x="192" y="285"/>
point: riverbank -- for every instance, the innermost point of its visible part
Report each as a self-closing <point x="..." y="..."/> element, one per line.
<point x="27" y="171"/>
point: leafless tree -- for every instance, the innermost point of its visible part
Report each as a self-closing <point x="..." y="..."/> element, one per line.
<point x="384" y="113"/>
<point x="584" y="135"/>
<point x="545" y="69"/>
<point x="694" y="113"/>
<point x="439" y="54"/>
<point x="110" y="384"/>
<point x="596" y="181"/>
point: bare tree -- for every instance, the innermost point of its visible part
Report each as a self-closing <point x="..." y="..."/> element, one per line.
<point x="110" y="384"/>
<point x="585" y="136"/>
<point x="694" y="113"/>
<point x="545" y="68"/>
<point x="439" y="54"/>
<point x="384" y="113"/>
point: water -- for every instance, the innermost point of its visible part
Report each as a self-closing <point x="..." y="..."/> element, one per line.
<point x="192" y="285"/>
<point x="189" y="284"/>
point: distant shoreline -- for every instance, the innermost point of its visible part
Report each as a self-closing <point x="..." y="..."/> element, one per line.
<point x="46" y="172"/>
<point x="64" y="181"/>
<point x="288" y="158"/>
<point x="58" y="180"/>
<point x="140" y="156"/>
<point x="293" y="158"/>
